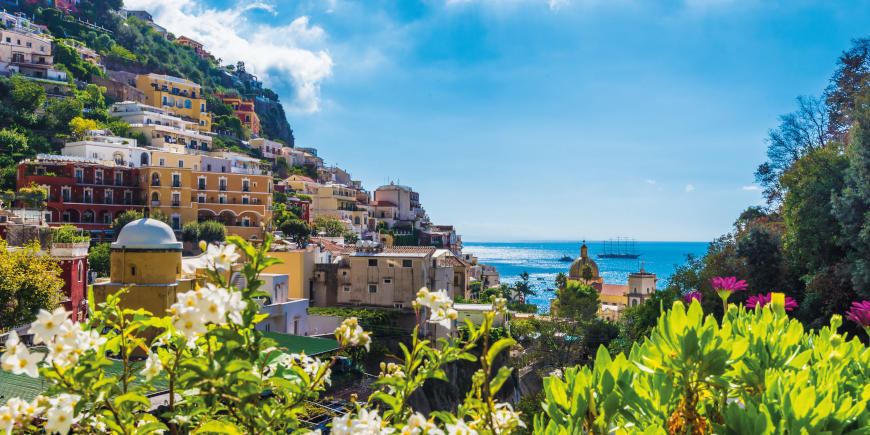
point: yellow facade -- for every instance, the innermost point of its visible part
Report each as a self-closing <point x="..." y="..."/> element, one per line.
<point x="299" y="266"/>
<point x="242" y="202"/>
<point x="169" y="188"/>
<point x="180" y="96"/>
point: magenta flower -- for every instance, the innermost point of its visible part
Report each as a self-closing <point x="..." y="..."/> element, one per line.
<point x="761" y="300"/>
<point x="696" y="295"/>
<point x="860" y="313"/>
<point x="730" y="284"/>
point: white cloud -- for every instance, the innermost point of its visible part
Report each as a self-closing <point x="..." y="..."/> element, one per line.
<point x="650" y="181"/>
<point x="750" y="187"/>
<point x="554" y="5"/>
<point x="286" y="54"/>
<point x="690" y="187"/>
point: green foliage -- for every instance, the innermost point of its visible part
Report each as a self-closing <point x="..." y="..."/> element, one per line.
<point x="577" y="301"/>
<point x="852" y="208"/>
<point x="78" y="127"/>
<point x="69" y="234"/>
<point x="298" y="229"/>
<point x="350" y="237"/>
<point x="371" y="317"/>
<point x="330" y="225"/>
<point x="26" y="96"/>
<point x="211" y="232"/>
<point x="13" y="141"/>
<point x="521" y="307"/>
<point x="132" y="215"/>
<point x="216" y="106"/>
<point x="63" y="111"/>
<point x="636" y="323"/>
<point x="100" y="259"/>
<point x="29" y="281"/>
<point x="64" y="54"/>
<point x="759" y="372"/>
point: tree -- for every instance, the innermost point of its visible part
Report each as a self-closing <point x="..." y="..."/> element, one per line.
<point x="132" y="215"/>
<point x="523" y="287"/>
<point x="765" y="267"/>
<point x="79" y="126"/>
<point x="350" y="237"/>
<point x="852" y="210"/>
<point x="100" y="259"/>
<point x="12" y="141"/>
<point x="190" y="232"/>
<point x="577" y="301"/>
<point x="811" y="230"/>
<point x="212" y="232"/>
<point x="298" y="229"/>
<point x="330" y="225"/>
<point x="587" y="273"/>
<point x="63" y="111"/>
<point x="27" y="96"/>
<point x="853" y="68"/>
<point x="799" y="133"/>
<point x="636" y="322"/>
<point x="29" y="282"/>
<point x="561" y="280"/>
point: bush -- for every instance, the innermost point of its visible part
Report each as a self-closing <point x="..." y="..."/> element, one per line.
<point x="99" y="259"/>
<point x="69" y="234"/>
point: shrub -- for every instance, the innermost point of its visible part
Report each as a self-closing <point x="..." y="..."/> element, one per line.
<point x="69" y="234"/>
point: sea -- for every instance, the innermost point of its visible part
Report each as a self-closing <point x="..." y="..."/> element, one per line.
<point x="541" y="261"/>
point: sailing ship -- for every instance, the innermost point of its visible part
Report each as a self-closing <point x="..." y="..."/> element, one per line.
<point x="620" y="247"/>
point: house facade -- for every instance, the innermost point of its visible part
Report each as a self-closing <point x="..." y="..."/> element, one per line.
<point x="179" y="96"/>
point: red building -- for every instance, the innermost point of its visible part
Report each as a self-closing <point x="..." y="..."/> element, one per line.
<point x="244" y="110"/>
<point x="87" y="193"/>
<point x="73" y="258"/>
<point x="68" y="6"/>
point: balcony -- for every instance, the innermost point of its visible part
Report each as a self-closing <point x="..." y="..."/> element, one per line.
<point x="155" y="182"/>
<point x="155" y="203"/>
<point x="246" y="189"/>
<point x="176" y="184"/>
<point x="201" y="185"/>
<point x="176" y="203"/>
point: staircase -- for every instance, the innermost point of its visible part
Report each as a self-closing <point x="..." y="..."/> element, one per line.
<point x="239" y="280"/>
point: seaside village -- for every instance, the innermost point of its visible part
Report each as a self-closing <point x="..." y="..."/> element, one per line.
<point x="171" y="167"/>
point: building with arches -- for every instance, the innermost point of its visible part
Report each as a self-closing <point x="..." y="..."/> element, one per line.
<point x="179" y="96"/>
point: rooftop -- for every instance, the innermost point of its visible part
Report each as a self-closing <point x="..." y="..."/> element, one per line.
<point x="395" y="251"/>
<point x="300" y="344"/>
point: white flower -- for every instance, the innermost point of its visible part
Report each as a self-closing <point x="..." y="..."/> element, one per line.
<point x="25" y="362"/>
<point x="366" y="423"/>
<point x="47" y="325"/>
<point x="213" y="305"/>
<point x="235" y="306"/>
<point x="499" y="305"/>
<point x="504" y="418"/>
<point x="221" y="257"/>
<point x="60" y="418"/>
<point x="444" y="316"/>
<point x="460" y="428"/>
<point x="417" y="424"/>
<point x="351" y="333"/>
<point x="392" y="370"/>
<point x="310" y="365"/>
<point x="440" y="306"/>
<point x="25" y="408"/>
<point x="189" y="323"/>
<point x="152" y="367"/>
<point x="13" y="344"/>
<point x="8" y="417"/>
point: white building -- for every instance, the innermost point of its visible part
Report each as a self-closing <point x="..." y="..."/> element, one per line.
<point x="268" y="148"/>
<point x="161" y="127"/>
<point x="286" y="315"/>
<point x="99" y="145"/>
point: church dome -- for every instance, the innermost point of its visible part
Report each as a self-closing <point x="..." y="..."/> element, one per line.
<point x="576" y="271"/>
<point x="147" y="234"/>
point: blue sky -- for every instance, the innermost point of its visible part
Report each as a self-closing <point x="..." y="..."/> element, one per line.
<point x="537" y="119"/>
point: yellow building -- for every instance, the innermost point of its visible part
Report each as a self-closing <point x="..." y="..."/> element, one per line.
<point x="168" y="183"/>
<point x="299" y="266"/>
<point x="146" y="258"/>
<point x="182" y="97"/>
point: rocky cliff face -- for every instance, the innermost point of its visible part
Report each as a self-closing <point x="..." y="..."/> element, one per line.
<point x="437" y="395"/>
<point x="273" y="121"/>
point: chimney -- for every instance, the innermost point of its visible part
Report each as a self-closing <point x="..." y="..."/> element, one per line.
<point x="146" y="212"/>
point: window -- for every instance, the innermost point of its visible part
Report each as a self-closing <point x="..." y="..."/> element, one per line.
<point x="388" y="281"/>
<point x="133" y="270"/>
<point x="162" y="162"/>
<point x="202" y="109"/>
<point x="201" y="198"/>
<point x="176" y="222"/>
<point x="347" y="288"/>
<point x="187" y="104"/>
<point x="295" y="325"/>
<point x="222" y="184"/>
<point x="79" y="176"/>
<point x="373" y="262"/>
<point x="398" y="305"/>
<point x="119" y="178"/>
<point x="246" y="186"/>
<point x="246" y="222"/>
<point x="246" y="200"/>
<point x="108" y="197"/>
<point x="222" y="199"/>
<point x="65" y="193"/>
<point x="406" y="263"/>
<point x="80" y="271"/>
<point x="89" y="196"/>
<point x="155" y="179"/>
<point x="98" y="176"/>
<point x="373" y="288"/>
<point x="128" y="198"/>
<point x="176" y="180"/>
<point x="176" y="199"/>
<point x="201" y="183"/>
<point x="180" y="163"/>
<point x="66" y="216"/>
<point x="343" y="273"/>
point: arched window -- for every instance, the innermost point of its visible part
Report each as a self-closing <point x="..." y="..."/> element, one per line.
<point x="80" y="271"/>
<point x="155" y="179"/>
<point x="356" y="220"/>
<point x="155" y="197"/>
<point x="187" y="104"/>
<point x="143" y="160"/>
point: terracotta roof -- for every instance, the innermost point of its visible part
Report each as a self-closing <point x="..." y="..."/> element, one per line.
<point x="614" y="289"/>
<point x="383" y="204"/>
<point x="329" y="245"/>
<point x="453" y="261"/>
<point x="303" y="178"/>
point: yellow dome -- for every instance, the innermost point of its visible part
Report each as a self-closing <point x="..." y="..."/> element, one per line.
<point x="576" y="271"/>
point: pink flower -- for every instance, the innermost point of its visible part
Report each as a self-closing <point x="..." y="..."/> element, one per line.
<point x="761" y="300"/>
<point x="696" y="295"/>
<point x="729" y="284"/>
<point x="860" y="313"/>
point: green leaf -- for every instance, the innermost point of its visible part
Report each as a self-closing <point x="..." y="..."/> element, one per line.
<point x="215" y="426"/>
<point x="497" y="347"/>
<point x="498" y="380"/>
<point x="132" y="397"/>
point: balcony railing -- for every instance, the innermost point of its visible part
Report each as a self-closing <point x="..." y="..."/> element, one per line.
<point x="176" y="184"/>
<point x="155" y="203"/>
<point x="176" y="203"/>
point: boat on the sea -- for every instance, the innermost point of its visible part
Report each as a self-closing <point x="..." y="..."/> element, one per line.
<point x="566" y="259"/>
<point x="620" y="247"/>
